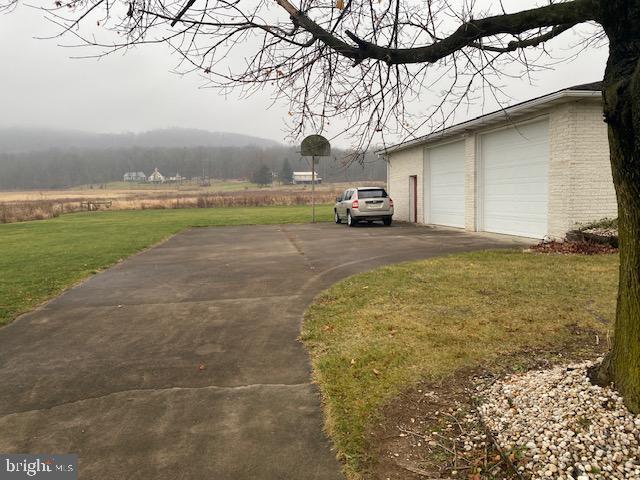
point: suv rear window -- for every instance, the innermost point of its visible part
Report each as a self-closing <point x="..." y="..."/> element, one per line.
<point x="372" y="193"/>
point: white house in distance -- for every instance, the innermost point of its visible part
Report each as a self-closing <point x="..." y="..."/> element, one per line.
<point x="156" y="177"/>
<point x="535" y="169"/>
<point x="134" y="177"/>
<point x="304" y="178"/>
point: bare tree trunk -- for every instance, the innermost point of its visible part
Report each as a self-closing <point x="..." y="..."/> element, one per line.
<point x="622" y="114"/>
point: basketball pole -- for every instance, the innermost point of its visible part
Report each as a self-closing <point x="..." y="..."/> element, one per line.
<point x="314" y="146"/>
<point x="313" y="189"/>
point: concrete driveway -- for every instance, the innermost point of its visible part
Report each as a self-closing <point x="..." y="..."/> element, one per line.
<point x="182" y="362"/>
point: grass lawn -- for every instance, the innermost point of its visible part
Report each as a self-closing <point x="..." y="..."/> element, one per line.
<point x="40" y="259"/>
<point x="375" y="334"/>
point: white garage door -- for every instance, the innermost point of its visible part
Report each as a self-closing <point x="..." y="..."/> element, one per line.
<point x="445" y="185"/>
<point x="515" y="186"/>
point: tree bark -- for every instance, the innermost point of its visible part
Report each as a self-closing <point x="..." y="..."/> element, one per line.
<point x="622" y="113"/>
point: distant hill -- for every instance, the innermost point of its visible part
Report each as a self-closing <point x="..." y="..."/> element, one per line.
<point x="21" y="139"/>
<point x="32" y="158"/>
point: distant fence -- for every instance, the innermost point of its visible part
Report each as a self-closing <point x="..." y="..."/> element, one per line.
<point x="11" y="212"/>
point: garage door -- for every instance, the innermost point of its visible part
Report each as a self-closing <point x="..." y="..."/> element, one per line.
<point x="445" y="185"/>
<point x="515" y="184"/>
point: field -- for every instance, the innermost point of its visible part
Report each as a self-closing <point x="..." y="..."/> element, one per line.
<point x="17" y="206"/>
<point x="38" y="260"/>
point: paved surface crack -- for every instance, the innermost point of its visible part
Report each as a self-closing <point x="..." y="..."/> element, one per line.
<point x="152" y="390"/>
<point x="293" y="239"/>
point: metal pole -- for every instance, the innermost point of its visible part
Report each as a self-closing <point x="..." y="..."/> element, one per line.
<point x="313" y="189"/>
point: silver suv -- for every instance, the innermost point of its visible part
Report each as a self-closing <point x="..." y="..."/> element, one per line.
<point x="363" y="204"/>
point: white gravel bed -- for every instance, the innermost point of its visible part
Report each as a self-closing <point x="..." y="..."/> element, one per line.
<point x="603" y="232"/>
<point x="558" y="425"/>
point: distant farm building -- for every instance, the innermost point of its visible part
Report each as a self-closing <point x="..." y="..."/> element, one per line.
<point x="304" y="178"/>
<point x="134" y="177"/>
<point x="156" y="177"/>
<point x="177" y="179"/>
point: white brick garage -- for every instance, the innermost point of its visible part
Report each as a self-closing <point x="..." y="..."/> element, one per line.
<point x="535" y="170"/>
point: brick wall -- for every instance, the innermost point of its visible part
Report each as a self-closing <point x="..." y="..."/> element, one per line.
<point x="580" y="184"/>
<point x="562" y="127"/>
<point x="592" y="192"/>
<point x="402" y="165"/>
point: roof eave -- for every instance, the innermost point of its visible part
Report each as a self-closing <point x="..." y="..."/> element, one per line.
<point x="489" y="119"/>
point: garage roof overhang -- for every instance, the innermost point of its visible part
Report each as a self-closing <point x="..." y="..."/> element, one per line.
<point x="509" y="114"/>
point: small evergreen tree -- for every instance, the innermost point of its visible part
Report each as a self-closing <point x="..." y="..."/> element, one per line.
<point x="262" y="176"/>
<point x="286" y="173"/>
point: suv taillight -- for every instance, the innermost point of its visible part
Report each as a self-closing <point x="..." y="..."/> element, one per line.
<point x="391" y="203"/>
<point x="354" y="204"/>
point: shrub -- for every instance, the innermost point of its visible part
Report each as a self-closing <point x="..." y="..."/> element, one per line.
<point x="604" y="223"/>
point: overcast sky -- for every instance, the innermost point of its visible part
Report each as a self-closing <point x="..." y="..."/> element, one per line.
<point x="42" y="86"/>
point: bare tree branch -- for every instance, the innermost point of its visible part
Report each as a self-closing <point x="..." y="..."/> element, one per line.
<point x="572" y="13"/>
<point x="184" y="10"/>
<point x="361" y="63"/>
<point x="531" y="42"/>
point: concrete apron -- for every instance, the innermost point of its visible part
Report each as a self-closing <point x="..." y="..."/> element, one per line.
<point x="183" y="362"/>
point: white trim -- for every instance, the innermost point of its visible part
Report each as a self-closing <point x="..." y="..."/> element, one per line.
<point x="495" y="117"/>
<point x="447" y="140"/>
<point x="538" y="118"/>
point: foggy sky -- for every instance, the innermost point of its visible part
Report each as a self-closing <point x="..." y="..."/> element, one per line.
<point x="42" y="86"/>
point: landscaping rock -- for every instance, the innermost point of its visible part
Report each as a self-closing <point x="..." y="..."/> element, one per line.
<point x="556" y="424"/>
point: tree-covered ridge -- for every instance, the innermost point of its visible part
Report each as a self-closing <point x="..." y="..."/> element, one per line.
<point x="29" y="139"/>
<point x="70" y="167"/>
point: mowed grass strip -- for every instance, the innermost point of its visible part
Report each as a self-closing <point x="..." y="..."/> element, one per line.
<point x="375" y="334"/>
<point x="41" y="259"/>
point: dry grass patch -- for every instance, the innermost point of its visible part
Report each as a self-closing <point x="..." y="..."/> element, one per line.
<point x="19" y="206"/>
<point x="374" y="335"/>
<point x="51" y="205"/>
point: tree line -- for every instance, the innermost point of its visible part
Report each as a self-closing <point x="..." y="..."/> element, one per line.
<point x="61" y="168"/>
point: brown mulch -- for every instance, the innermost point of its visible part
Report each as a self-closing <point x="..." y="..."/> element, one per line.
<point x="432" y="431"/>
<point x="573" y="248"/>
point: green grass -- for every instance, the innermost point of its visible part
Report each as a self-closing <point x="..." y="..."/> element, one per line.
<point x="375" y="334"/>
<point x="42" y="258"/>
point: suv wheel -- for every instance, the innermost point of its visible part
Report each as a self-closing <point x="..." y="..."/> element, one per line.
<point x="387" y="221"/>
<point x="337" y="217"/>
<point x="350" y="221"/>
